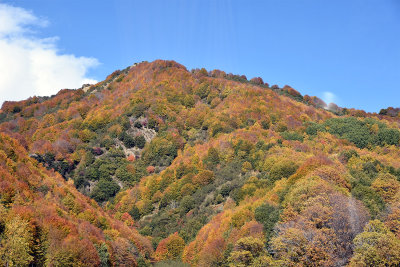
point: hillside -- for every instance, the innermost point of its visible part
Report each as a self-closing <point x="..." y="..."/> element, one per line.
<point x="46" y="221"/>
<point x="213" y="169"/>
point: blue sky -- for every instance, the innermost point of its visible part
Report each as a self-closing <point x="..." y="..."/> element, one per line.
<point x="348" y="51"/>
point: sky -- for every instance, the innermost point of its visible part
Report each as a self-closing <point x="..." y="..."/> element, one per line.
<point x="342" y="51"/>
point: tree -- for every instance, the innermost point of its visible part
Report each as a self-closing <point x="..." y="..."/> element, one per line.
<point x="249" y="251"/>
<point x="204" y="177"/>
<point x="294" y="93"/>
<point x="386" y="186"/>
<point x="246" y="167"/>
<point x="212" y="159"/>
<point x="128" y="140"/>
<point x="135" y="213"/>
<point x="138" y="124"/>
<point x="371" y="199"/>
<point x="388" y="137"/>
<point x="123" y="252"/>
<point x="268" y="216"/>
<point x="257" y="81"/>
<point x="310" y="247"/>
<point x="376" y="246"/>
<point x="291" y="135"/>
<point x="282" y="169"/>
<point x="16" y="246"/>
<point x="104" y="190"/>
<point x="363" y="133"/>
<point x="160" y="151"/>
<point x="383" y="111"/>
<point x="265" y="124"/>
<point x="170" y="248"/>
<point x="123" y="174"/>
<point x="104" y="255"/>
<point x="203" y="90"/>
<point x="188" y="101"/>
<point x="187" y="203"/>
<point x="140" y="141"/>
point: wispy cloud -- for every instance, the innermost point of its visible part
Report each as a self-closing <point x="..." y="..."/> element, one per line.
<point x="33" y="66"/>
<point x="329" y="97"/>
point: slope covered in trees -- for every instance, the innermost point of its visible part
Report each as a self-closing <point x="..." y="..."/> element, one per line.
<point x="213" y="169"/>
<point x="46" y="221"/>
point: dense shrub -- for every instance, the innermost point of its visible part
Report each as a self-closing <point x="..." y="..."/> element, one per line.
<point x="268" y="216"/>
<point x="135" y="213"/>
<point x="282" y="169"/>
<point x="212" y="158"/>
<point x="140" y="141"/>
<point x="376" y="246"/>
<point x="361" y="132"/>
<point x="371" y="199"/>
<point x="127" y="139"/>
<point x="104" y="190"/>
<point x="204" y="177"/>
<point x="160" y="151"/>
<point x="265" y="124"/>
<point x="347" y="154"/>
<point x="187" y="203"/>
<point x="388" y="137"/>
<point x="289" y="135"/>
<point x="123" y="174"/>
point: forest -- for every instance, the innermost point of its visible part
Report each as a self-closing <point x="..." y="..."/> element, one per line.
<point x="158" y="165"/>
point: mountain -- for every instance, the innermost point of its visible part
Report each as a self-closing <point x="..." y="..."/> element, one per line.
<point x="161" y="164"/>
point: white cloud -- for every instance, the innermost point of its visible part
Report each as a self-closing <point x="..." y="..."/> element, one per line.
<point x="33" y="66"/>
<point x="329" y="97"/>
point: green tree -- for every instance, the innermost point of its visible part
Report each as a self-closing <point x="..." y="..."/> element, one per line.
<point x="188" y="101"/>
<point x="203" y="90"/>
<point x="268" y="216"/>
<point x="104" y="190"/>
<point x="128" y="140"/>
<point x="291" y="135"/>
<point x="140" y="141"/>
<point x="135" y="213"/>
<point x="187" y="203"/>
<point x="388" y="137"/>
<point x="104" y="255"/>
<point x="212" y="158"/>
<point x="123" y="174"/>
<point x="282" y="169"/>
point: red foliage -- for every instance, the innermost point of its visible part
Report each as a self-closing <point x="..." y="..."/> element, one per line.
<point x="257" y="80"/>
<point x="150" y="169"/>
<point x="131" y="158"/>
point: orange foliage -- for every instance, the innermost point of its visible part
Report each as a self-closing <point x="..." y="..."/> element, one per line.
<point x="170" y="248"/>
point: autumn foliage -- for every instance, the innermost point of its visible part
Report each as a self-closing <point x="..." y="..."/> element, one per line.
<point x="161" y="164"/>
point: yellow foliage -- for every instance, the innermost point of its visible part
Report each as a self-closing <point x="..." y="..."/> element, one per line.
<point x="242" y="216"/>
<point x="386" y="186"/>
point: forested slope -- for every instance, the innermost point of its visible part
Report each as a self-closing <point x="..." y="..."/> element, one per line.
<point x="212" y="168"/>
<point x="46" y="221"/>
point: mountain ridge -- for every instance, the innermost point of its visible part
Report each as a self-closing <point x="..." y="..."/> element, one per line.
<point x="216" y="170"/>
